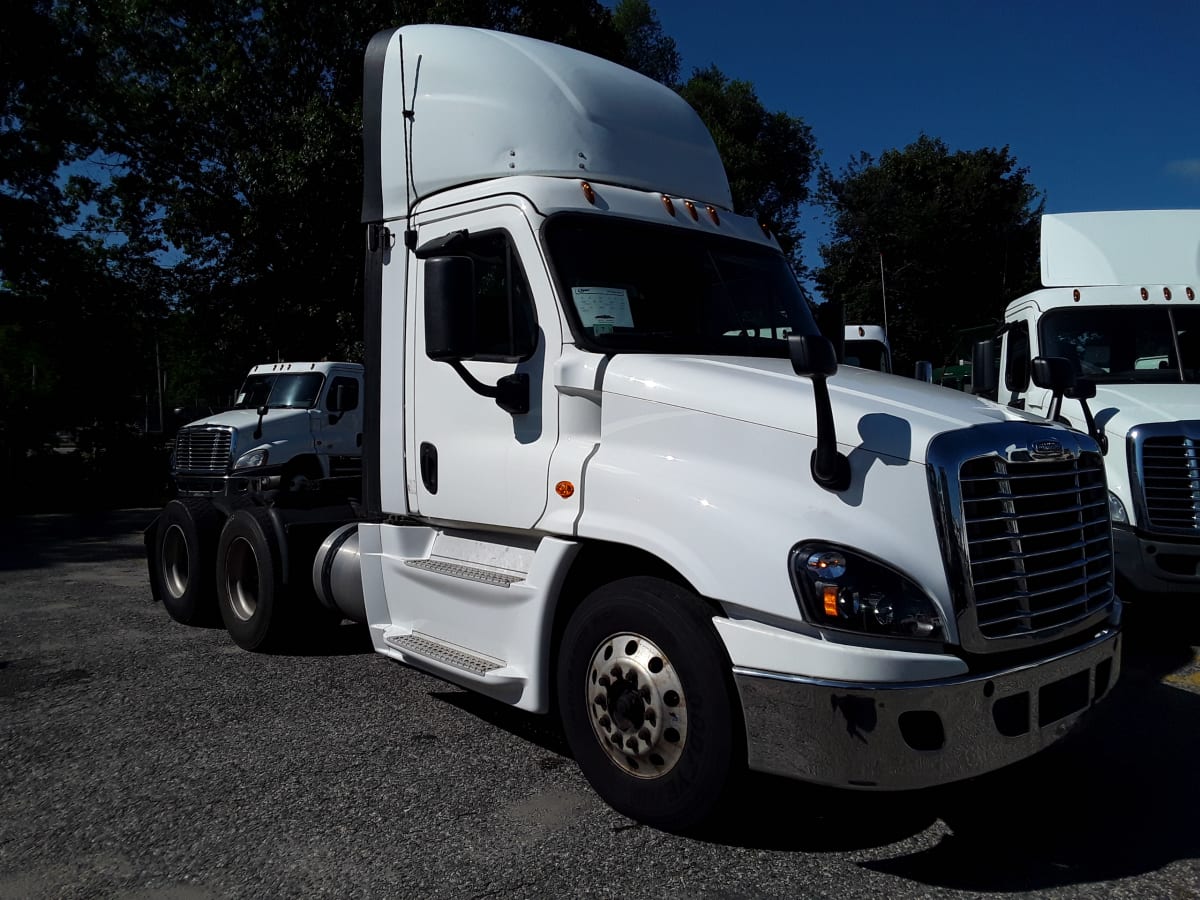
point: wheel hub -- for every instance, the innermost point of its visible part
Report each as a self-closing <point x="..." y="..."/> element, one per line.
<point x="176" y="563"/>
<point x="241" y="574"/>
<point x="636" y="705"/>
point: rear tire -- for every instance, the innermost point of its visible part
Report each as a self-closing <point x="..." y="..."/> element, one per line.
<point x="250" y="588"/>
<point x="647" y="702"/>
<point x="184" y="551"/>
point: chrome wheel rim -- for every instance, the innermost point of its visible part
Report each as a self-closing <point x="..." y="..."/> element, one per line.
<point x="636" y="705"/>
<point x="241" y="579"/>
<point x="176" y="562"/>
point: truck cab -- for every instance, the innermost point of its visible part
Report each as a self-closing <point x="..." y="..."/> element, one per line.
<point x="867" y="347"/>
<point x="1119" y="303"/>
<point x="291" y="425"/>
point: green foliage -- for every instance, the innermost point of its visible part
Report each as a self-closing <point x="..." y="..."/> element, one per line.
<point x="768" y="156"/>
<point x="646" y="48"/>
<point x="958" y="237"/>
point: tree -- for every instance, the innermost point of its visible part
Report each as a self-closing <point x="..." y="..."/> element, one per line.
<point x="646" y="48"/>
<point x="956" y="233"/>
<point x="768" y="156"/>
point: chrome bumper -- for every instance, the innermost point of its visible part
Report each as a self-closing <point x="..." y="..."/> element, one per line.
<point x="899" y="736"/>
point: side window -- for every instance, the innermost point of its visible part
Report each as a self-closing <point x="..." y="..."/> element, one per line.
<point x="505" y="322"/>
<point x="1016" y="369"/>
<point x="349" y="388"/>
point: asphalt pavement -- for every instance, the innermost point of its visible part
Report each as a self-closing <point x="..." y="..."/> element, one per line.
<point x="140" y="758"/>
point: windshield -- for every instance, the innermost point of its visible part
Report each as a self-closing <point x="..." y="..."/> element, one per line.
<point x="659" y="289"/>
<point x="867" y="355"/>
<point x="1126" y="344"/>
<point x="280" y="391"/>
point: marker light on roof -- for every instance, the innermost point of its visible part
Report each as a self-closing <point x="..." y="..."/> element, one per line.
<point x="766" y="230"/>
<point x="1145" y="294"/>
<point x="1191" y="295"/>
<point x="668" y="204"/>
<point x="1075" y="295"/>
<point x="1166" y="293"/>
<point x="712" y="214"/>
<point x="691" y="208"/>
<point x="588" y="193"/>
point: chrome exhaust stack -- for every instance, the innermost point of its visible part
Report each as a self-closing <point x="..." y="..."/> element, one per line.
<point x="337" y="578"/>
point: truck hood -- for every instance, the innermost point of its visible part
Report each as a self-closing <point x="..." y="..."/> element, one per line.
<point x="1120" y="407"/>
<point x="246" y="420"/>
<point x="886" y="414"/>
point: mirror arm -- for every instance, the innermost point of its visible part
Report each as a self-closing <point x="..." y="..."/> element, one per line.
<point x="830" y="467"/>
<point x="511" y="392"/>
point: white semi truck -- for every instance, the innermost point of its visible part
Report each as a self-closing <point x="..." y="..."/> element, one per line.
<point x="1119" y="304"/>
<point x="612" y="470"/>
<point x="292" y="424"/>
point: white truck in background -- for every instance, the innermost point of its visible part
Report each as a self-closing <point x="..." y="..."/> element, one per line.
<point x="611" y="468"/>
<point x="867" y="347"/>
<point x="1119" y="304"/>
<point x="292" y="425"/>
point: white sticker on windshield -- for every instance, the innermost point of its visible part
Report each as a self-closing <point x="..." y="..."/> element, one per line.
<point x="603" y="307"/>
<point x="240" y="398"/>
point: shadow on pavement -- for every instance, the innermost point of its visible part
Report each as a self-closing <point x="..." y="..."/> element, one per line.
<point x="1117" y="799"/>
<point x="36" y="541"/>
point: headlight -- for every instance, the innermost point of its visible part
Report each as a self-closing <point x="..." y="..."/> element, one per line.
<point x="252" y="460"/>
<point x="1116" y="509"/>
<point x="846" y="590"/>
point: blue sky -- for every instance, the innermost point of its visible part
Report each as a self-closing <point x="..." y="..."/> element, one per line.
<point x="1100" y="101"/>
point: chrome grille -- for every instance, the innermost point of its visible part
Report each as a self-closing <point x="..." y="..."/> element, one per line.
<point x="1021" y="511"/>
<point x="202" y="449"/>
<point x="1039" y="542"/>
<point x="1169" y="474"/>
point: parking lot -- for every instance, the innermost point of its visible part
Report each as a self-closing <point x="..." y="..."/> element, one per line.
<point x="142" y="758"/>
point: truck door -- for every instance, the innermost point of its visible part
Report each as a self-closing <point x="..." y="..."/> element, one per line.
<point x="338" y="432"/>
<point x="468" y="459"/>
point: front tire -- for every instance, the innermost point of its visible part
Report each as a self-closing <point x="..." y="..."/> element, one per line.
<point x="647" y="702"/>
<point x="184" y="549"/>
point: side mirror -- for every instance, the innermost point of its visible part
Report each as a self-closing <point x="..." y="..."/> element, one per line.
<point x="984" y="380"/>
<point x="814" y="357"/>
<point x="831" y="319"/>
<point x="449" y="308"/>
<point x="1053" y="373"/>
<point x="924" y="371"/>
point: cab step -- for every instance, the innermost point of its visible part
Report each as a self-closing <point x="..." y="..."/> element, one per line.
<point x="467" y="572"/>
<point x="417" y="647"/>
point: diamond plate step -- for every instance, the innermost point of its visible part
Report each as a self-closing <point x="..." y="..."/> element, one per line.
<point x="419" y="645"/>
<point x="469" y="573"/>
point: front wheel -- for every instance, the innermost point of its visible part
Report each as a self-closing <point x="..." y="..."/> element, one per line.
<point x="647" y="704"/>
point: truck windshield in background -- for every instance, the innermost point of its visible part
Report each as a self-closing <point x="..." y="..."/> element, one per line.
<point x="659" y="289"/>
<point x="868" y="355"/>
<point x="280" y="390"/>
<point x="1126" y="344"/>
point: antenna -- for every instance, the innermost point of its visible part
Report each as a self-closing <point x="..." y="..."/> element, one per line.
<point x="410" y="184"/>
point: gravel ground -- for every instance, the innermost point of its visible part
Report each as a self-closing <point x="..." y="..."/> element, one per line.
<point x="145" y="759"/>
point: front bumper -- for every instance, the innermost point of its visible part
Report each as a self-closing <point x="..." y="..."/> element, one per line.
<point x="227" y="485"/>
<point x="1154" y="564"/>
<point x="900" y="736"/>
